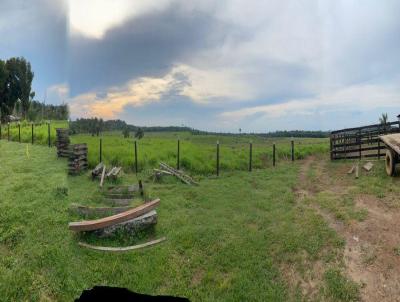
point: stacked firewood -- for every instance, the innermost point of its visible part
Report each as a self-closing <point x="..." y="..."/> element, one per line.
<point x="62" y="142"/>
<point x="78" y="161"/>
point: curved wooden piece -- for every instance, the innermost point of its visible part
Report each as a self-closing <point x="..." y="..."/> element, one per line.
<point x="90" y="225"/>
<point x="87" y="211"/>
<point x="121" y="249"/>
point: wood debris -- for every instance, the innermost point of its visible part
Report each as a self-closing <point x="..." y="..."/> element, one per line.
<point x="77" y="159"/>
<point x="368" y="166"/>
<point x="113" y="173"/>
<point x="97" y="170"/>
<point x="62" y="142"/>
<point x="351" y="169"/>
<point x="122" y="249"/>
<point x="178" y="174"/>
<point x="357" y="171"/>
<point x="91" y="225"/>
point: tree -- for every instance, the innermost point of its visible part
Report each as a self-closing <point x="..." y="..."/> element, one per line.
<point x="3" y="82"/>
<point x="125" y="132"/>
<point x="139" y="133"/>
<point x="19" y="83"/>
<point x="384" y="121"/>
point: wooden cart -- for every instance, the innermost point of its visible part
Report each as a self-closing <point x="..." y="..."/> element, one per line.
<point x="392" y="142"/>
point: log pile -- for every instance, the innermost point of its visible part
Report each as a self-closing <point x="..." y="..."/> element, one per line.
<point x="77" y="159"/>
<point x="62" y="142"/>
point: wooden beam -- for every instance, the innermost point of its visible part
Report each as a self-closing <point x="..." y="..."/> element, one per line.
<point x="102" y="176"/>
<point x="91" y="225"/>
<point x="121" y="249"/>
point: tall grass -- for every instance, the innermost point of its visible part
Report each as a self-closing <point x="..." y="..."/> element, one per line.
<point x="197" y="152"/>
<point x="40" y="131"/>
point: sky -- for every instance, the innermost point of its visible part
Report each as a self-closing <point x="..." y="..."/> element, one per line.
<point x="213" y="65"/>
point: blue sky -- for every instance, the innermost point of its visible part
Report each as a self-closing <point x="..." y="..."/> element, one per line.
<point x="213" y="65"/>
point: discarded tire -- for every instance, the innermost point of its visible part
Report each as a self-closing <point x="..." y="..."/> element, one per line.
<point x="390" y="162"/>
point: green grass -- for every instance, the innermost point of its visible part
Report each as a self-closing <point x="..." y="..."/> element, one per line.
<point x="40" y="132"/>
<point x="197" y="152"/>
<point x="227" y="239"/>
<point x="339" y="288"/>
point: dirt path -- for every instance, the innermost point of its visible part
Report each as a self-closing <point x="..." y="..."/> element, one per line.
<point x="372" y="251"/>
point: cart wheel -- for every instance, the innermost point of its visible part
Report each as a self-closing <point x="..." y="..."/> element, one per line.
<point x="390" y="162"/>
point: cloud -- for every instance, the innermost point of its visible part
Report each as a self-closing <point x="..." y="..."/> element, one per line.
<point x="360" y="97"/>
<point x="57" y="94"/>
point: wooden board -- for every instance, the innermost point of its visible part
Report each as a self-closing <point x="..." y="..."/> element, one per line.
<point x="87" y="211"/>
<point x="91" y="225"/>
<point x="368" y="166"/>
<point x="122" y="249"/>
<point x="392" y="141"/>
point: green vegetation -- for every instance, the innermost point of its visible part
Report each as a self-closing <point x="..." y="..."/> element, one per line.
<point x="40" y="132"/>
<point x="197" y="152"/>
<point x="339" y="288"/>
<point x="229" y="239"/>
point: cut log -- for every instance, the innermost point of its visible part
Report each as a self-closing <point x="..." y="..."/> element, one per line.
<point x="122" y="249"/>
<point x="179" y="174"/>
<point x="357" y="172"/>
<point x="91" y="225"/>
<point x="130" y="227"/>
<point x="368" y="166"/>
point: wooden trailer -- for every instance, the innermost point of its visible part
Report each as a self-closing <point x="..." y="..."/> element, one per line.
<point x="392" y="142"/>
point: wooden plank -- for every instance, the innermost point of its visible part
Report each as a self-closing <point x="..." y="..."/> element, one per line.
<point x="357" y="172"/>
<point x="368" y="166"/>
<point x="102" y="176"/>
<point x="91" y="225"/>
<point x="122" y="249"/>
<point x="351" y="169"/>
<point x="364" y="127"/>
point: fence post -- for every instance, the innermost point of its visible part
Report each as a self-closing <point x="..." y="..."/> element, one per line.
<point x="292" y="149"/>
<point x="101" y="150"/>
<point x="217" y="158"/>
<point x="331" y="145"/>
<point x="178" y="156"/>
<point x="32" y="133"/>
<point x="19" y="132"/>
<point x="379" y="143"/>
<point x="48" y="132"/>
<point x="136" y="163"/>
<point x="8" y="131"/>
<point x="359" y="139"/>
<point x="273" y="154"/>
<point x="250" y="156"/>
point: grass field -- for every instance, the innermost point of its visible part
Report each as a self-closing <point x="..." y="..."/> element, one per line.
<point x="240" y="237"/>
<point x="40" y="132"/>
<point x="197" y="152"/>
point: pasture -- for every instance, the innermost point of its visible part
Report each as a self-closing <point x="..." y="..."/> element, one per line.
<point x="197" y="152"/>
<point x="240" y="237"/>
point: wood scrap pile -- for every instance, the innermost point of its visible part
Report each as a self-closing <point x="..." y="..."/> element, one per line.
<point x="62" y="142"/>
<point x="168" y="170"/>
<point x="77" y="159"/>
<point x="100" y="171"/>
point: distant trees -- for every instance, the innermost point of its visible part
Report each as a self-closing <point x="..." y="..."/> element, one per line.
<point x="125" y="132"/>
<point x="40" y="111"/>
<point x="139" y="133"/>
<point x="15" y="87"/>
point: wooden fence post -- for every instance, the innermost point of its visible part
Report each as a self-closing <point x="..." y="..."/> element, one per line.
<point x="217" y="158"/>
<point x="32" y="133"/>
<point x="136" y="163"/>
<point x="8" y="131"/>
<point x="273" y="154"/>
<point x="359" y="139"/>
<point x="292" y="149"/>
<point x="101" y="151"/>
<point x="178" y="156"/>
<point x="331" y="145"/>
<point x="19" y="132"/>
<point x="48" y="132"/>
<point x="250" y="156"/>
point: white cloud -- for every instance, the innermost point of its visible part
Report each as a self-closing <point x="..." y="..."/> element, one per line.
<point x="94" y="17"/>
<point x="57" y="94"/>
<point x="362" y="97"/>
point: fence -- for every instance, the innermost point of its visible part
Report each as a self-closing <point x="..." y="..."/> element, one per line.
<point x="359" y="142"/>
<point x="196" y="155"/>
